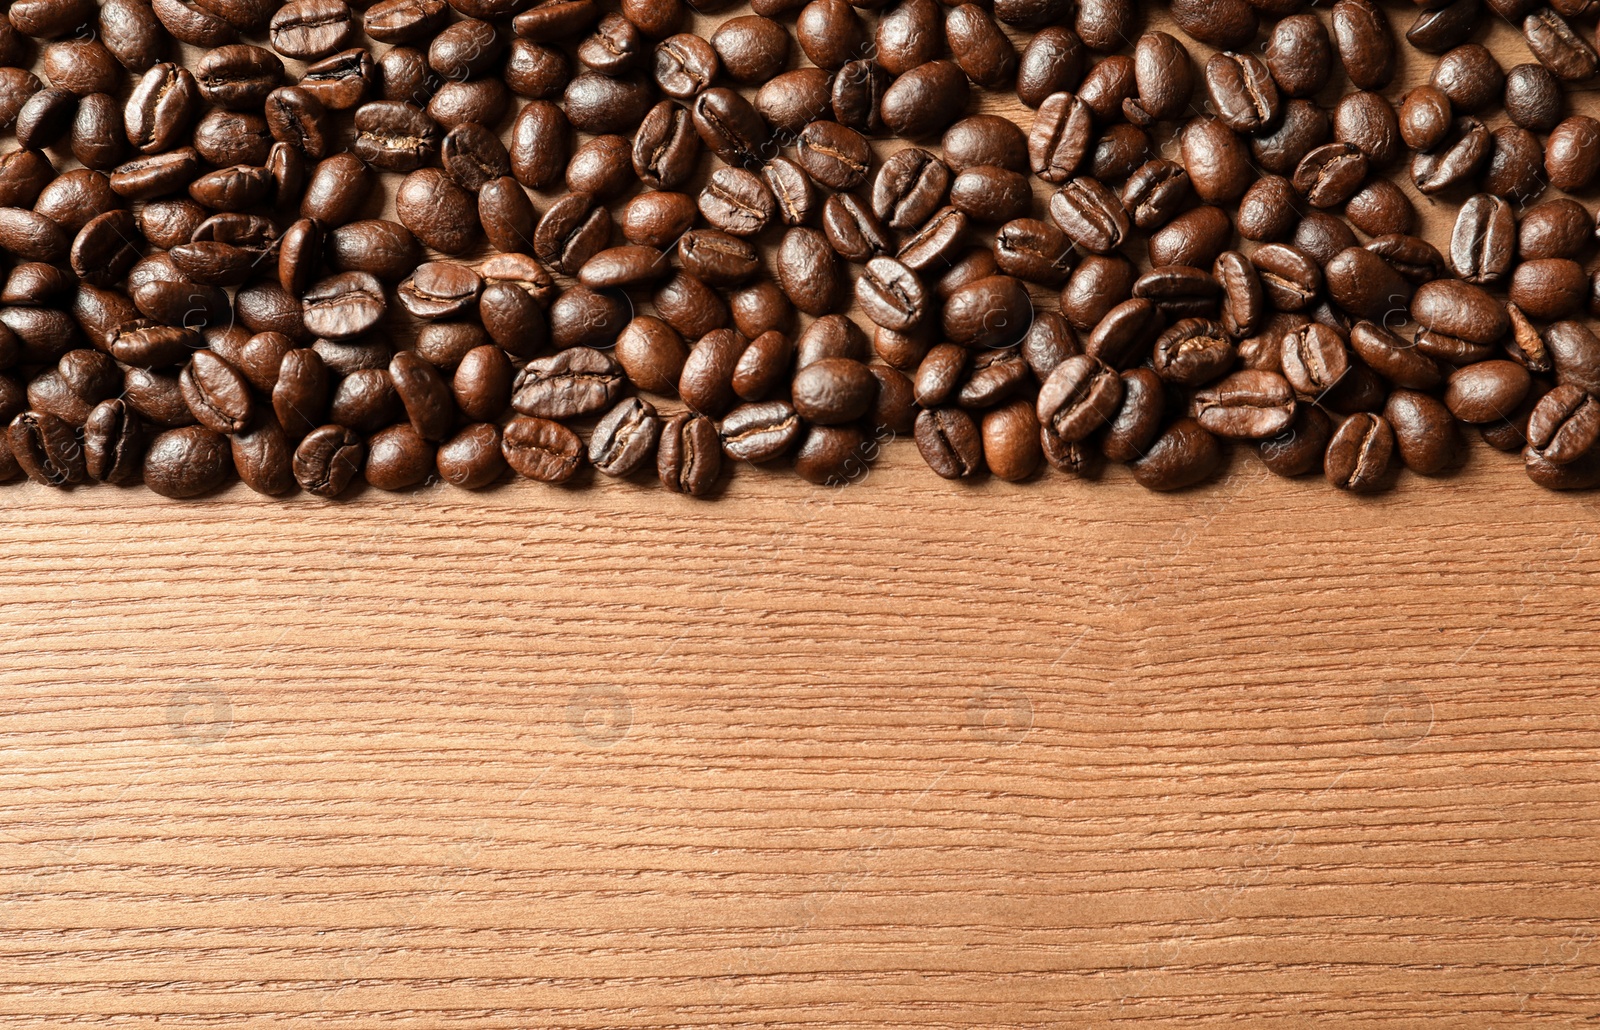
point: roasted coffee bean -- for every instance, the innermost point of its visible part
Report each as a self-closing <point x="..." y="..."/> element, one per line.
<point x="910" y="187"/>
<point x="1444" y="28"/>
<point x="1248" y="405"/>
<point x="404" y="21"/>
<point x="132" y="32"/>
<point x="760" y="432"/>
<point x="763" y="365"/>
<point x="342" y="81"/>
<point x="1483" y="243"/>
<point x="891" y="295"/>
<point x="1470" y="76"/>
<point x="1425" y="117"/>
<point x="217" y="393"/>
<point x="1575" y="352"/>
<point x="1138" y="417"/>
<point x="1033" y="251"/>
<point x="1242" y="91"/>
<point x="1080" y="395"/>
<point x="1011" y="446"/>
<point x="471" y="459"/>
<point x="621" y="267"/>
<point x="573" y="230"/>
<point x="1299" y="55"/>
<point x="113" y="443"/>
<point x="1330" y="174"/>
<point x="1290" y="278"/>
<point x="1098" y="284"/>
<point x="1554" y="229"/>
<point x="1193" y="352"/>
<point x="1107" y="85"/>
<point x="1365" y="285"/>
<point x="720" y="259"/>
<point x="569" y="384"/>
<point x="808" y="271"/>
<point x="924" y="100"/>
<point x="438" y="211"/>
<point x="1381" y="208"/>
<point x="1267" y="209"/>
<point x="737" y="202"/>
<point x="1564" y="425"/>
<point x="1217" y="161"/>
<point x="1359" y="453"/>
<point x="684" y="65"/>
<point x="939" y="375"/>
<point x="1298" y="449"/>
<point x="1533" y="97"/>
<point x="853" y="230"/>
<point x="394" y="136"/>
<point x="689" y="455"/>
<point x="1486" y="391"/>
<point x="1549" y="288"/>
<point x="1393" y="358"/>
<point x="1052" y="62"/>
<point x="187" y="462"/>
<point x="831" y="33"/>
<point x="793" y="100"/>
<point x="1195" y="238"/>
<point x="1315" y="359"/>
<point x="730" y="127"/>
<point x="1465" y="155"/>
<point x="580" y="317"/>
<point x="1164" y="79"/>
<point x="1090" y="215"/>
<point x="1303" y="127"/>
<point x="1460" y="310"/>
<point x="1180" y="291"/>
<point x="1366" y="46"/>
<point x="1424" y="431"/>
<point x="706" y="383"/>
<point x="1183" y="455"/>
<point x="1155" y="193"/>
<point x="950" y="442"/>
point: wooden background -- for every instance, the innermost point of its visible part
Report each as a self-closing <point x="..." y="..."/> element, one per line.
<point x="900" y="753"/>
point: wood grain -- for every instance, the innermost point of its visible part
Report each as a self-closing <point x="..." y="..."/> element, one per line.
<point x="896" y="754"/>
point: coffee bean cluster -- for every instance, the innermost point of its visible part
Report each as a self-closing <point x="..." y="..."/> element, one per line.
<point x="439" y="239"/>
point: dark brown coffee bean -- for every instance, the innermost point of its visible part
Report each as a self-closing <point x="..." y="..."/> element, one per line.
<point x="1486" y="391"/>
<point x="1564" y="425"/>
<point x="924" y="100"/>
<point x="1457" y="160"/>
<point x="216" y="392"/>
<point x="1461" y="310"/>
<point x="1217" y="161"/>
<point x="689" y="456"/>
<point x="684" y="65"/>
<point x="737" y="202"/>
<point x="1394" y="358"/>
<point x="569" y="384"/>
<point x="1483" y="243"/>
<point x="405" y="21"/>
<point x="187" y="462"/>
<point x="1090" y="215"/>
<point x="731" y="128"/>
<point x="1303" y="127"/>
<point x="1554" y="229"/>
<point x="760" y="432"/>
<point x="1445" y="28"/>
<point x="472" y="459"/>
<point x="580" y="317"/>
<point x="720" y="259"/>
<point x="1248" y="405"/>
<point x="1549" y="288"/>
<point x="1033" y="251"/>
<point x="911" y="185"/>
<point x="808" y="271"/>
<point x="853" y="230"/>
<point x="1381" y="208"/>
<point x="1330" y="174"/>
<point x="657" y="218"/>
<point x="1299" y="55"/>
<point x="1575" y="352"/>
<point x="132" y="32"/>
<point x="1183" y="455"/>
<point x="793" y="100"/>
<point x="1366" y="46"/>
<point x="1359" y="454"/>
<point x="342" y="81"/>
<point x="1533" y="97"/>
<point x="1425" y="117"/>
<point x="573" y="230"/>
<point x="1052" y="62"/>
<point x="1470" y="76"/>
<point x="706" y="383"/>
<point x="541" y="450"/>
<point x="950" y="442"/>
<point x="114" y="440"/>
<point x="1078" y="397"/>
<point x="1425" y="433"/>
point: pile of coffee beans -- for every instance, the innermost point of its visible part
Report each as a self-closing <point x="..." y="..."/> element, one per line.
<point x="311" y="245"/>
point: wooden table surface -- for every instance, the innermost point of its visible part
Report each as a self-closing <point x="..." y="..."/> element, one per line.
<point x="900" y="753"/>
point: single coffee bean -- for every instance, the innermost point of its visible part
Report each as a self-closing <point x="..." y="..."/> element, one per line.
<point x="185" y="463"/>
<point x="1299" y="55"/>
<point x="394" y="136"/>
<point x="580" y="317"/>
<point x="574" y="229"/>
<point x="1217" y="161"/>
<point x="1302" y="128"/>
<point x="569" y="384"/>
<point x="1533" y="97"/>
<point x="1363" y="284"/>
<point x="1080" y="396"/>
<point x="1359" y="453"/>
<point x="1564" y="425"/>
<point x="472" y="459"/>
<point x="950" y="442"/>
<point x="1470" y="76"/>
<point x="1248" y="405"/>
<point x="1424" y="431"/>
<point x="760" y="432"/>
<point x="1090" y="215"/>
<point x="791" y="101"/>
<point x="689" y="455"/>
<point x="924" y="100"/>
<point x="1052" y="62"/>
<point x="625" y="438"/>
<point x="1436" y="31"/>
<point x="1033" y="251"/>
<point x="730" y="127"/>
<point x="808" y="271"/>
<point x="1366" y="46"/>
<point x="1486" y="391"/>
<point x="1483" y="244"/>
<point x="344" y="306"/>
<point x="1298" y="449"/>
<point x="541" y="450"/>
<point x="1183" y="455"/>
<point x="1242" y="91"/>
